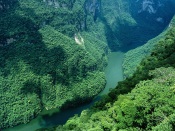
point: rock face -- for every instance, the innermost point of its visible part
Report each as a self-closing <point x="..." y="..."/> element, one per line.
<point x="6" y="4"/>
<point x="55" y="3"/>
<point x="160" y="11"/>
<point x="93" y="7"/>
<point x="60" y="4"/>
<point x="149" y="6"/>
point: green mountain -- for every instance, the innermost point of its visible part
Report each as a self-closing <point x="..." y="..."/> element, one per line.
<point x="46" y="61"/>
<point x="53" y="55"/>
<point x="144" y="101"/>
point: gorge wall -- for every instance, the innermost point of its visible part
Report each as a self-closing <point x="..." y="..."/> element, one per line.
<point x="41" y="64"/>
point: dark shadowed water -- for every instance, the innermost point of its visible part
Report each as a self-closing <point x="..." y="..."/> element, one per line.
<point x="54" y="117"/>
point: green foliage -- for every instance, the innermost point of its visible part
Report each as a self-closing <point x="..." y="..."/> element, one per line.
<point x="161" y="56"/>
<point x="133" y="57"/>
<point x="65" y="19"/>
<point x="117" y="22"/>
<point x="16" y="103"/>
<point x="149" y="105"/>
<point x="41" y="66"/>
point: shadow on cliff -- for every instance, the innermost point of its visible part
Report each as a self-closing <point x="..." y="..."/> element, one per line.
<point x="121" y="36"/>
<point x="125" y="37"/>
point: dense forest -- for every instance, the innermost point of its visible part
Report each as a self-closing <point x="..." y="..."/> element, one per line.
<point x="144" y="101"/>
<point x="53" y="54"/>
<point x="42" y="66"/>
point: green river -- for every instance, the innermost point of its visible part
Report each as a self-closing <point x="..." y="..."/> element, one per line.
<point x="113" y="73"/>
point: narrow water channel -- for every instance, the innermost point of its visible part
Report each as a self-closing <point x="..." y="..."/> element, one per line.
<point x="113" y="73"/>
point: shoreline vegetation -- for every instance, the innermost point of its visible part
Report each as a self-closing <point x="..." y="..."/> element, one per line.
<point x="144" y="101"/>
<point x="42" y="66"/>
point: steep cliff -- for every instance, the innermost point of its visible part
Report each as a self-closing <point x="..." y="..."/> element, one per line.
<point x="158" y="14"/>
<point x="121" y="22"/>
<point x="144" y="101"/>
<point x="53" y="52"/>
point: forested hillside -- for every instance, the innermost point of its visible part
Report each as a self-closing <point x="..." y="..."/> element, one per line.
<point x="42" y="65"/>
<point x="134" y="57"/>
<point x="53" y="55"/>
<point x="144" y="101"/>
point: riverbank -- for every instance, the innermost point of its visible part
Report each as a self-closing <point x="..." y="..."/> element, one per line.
<point x="113" y="74"/>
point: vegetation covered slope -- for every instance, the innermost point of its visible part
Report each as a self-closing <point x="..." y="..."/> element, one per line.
<point x="133" y="57"/>
<point x="130" y="23"/>
<point x="41" y="64"/>
<point x="149" y="105"/>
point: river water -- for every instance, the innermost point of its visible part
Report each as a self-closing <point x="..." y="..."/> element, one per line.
<point x="113" y="73"/>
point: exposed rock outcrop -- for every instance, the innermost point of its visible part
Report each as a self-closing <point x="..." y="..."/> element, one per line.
<point x="93" y="7"/>
<point x="160" y="11"/>
<point x="6" y="4"/>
